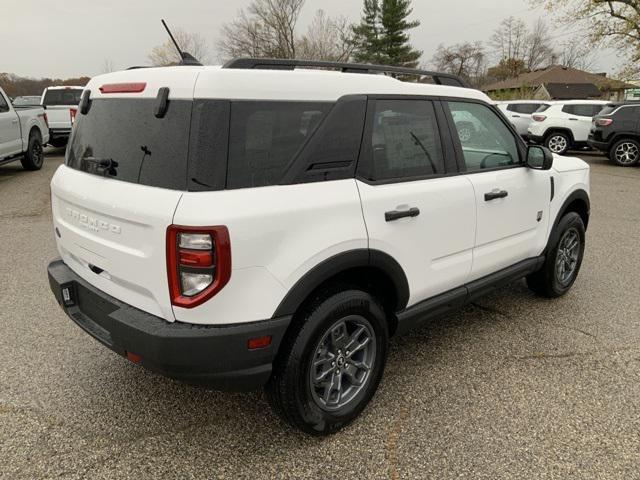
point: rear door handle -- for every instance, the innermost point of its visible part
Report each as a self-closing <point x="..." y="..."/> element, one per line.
<point x="398" y="214"/>
<point x="515" y="116"/>
<point x="495" y="194"/>
<point x="573" y="119"/>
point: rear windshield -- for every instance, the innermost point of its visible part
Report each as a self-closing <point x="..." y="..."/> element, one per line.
<point x="67" y="96"/>
<point x="132" y="144"/>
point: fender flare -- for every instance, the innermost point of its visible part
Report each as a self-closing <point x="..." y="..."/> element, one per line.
<point x="339" y="263"/>
<point x="552" y="130"/>
<point x="579" y="194"/>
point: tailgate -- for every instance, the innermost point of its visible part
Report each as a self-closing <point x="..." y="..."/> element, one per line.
<point x="59" y="117"/>
<point x="113" y="234"/>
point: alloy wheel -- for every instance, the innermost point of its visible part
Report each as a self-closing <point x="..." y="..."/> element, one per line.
<point x="627" y="153"/>
<point x="557" y="144"/>
<point x="342" y="363"/>
<point x="567" y="256"/>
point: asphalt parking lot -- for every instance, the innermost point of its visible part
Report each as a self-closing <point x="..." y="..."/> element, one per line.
<point x="513" y="386"/>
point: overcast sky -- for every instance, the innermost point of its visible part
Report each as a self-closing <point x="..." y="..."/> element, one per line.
<point x="68" y="38"/>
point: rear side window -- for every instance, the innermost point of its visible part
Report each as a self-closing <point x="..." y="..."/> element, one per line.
<point x="542" y="108"/>
<point x="66" y="96"/>
<point x="607" y="110"/>
<point x="524" y="108"/>
<point x="404" y="142"/>
<point x="264" y="137"/>
<point x="138" y="147"/>
<point x="628" y="113"/>
<point x="582" y="110"/>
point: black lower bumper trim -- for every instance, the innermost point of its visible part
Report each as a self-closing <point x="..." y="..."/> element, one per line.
<point x="215" y="356"/>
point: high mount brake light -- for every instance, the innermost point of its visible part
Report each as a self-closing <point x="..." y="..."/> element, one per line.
<point x="604" y="122"/>
<point x="539" y="118"/>
<point x="133" y="87"/>
<point x="198" y="263"/>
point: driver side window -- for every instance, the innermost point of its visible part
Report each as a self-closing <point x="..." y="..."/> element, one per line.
<point x="4" y="107"/>
<point x="486" y="141"/>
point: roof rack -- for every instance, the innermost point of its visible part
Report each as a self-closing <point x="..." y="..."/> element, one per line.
<point x="282" y="64"/>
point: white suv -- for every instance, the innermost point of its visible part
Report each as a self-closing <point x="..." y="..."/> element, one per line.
<point x="246" y="226"/>
<point x="519" y="113"/>
<point x="561" y="126"/>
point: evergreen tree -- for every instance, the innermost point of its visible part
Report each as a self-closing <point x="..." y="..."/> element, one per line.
<point x="394" y="39"/>
<point x="367" y="34"/>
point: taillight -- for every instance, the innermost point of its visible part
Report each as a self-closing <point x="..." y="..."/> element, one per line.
<point x="539" y="118"/>
<point x="198" y="263"/>
<point x="604" y="122"/>
<point x="46" y="119"/>
<point x="73" y="112"/>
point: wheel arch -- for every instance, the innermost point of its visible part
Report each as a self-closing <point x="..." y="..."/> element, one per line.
<point x="34" y="128"/>
<point x="578" y="202"/>
<point x="372" y="270"/>
<point x="623" y="136"/>
<point x="552" y="130"/>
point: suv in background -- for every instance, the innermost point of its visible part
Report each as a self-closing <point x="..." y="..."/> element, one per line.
<point x="61" y="104"/>
<point x="561" y="126"/>
<point x="519" y="113"/>
<point x="258" y="224"/>
<point x="616" y="132"/>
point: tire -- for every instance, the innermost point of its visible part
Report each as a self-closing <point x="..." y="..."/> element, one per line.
<point x="557" y="142"/>
<point x="552" y="280"/>
<point x="314" y="336"/>
<point x="625" y="152"/>
<point x="34" y="157"/>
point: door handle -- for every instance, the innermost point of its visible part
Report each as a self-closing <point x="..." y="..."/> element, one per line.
<point x="494" y="195"/>
<point x="515" y="116"/>
<point x="398" y="214"/>
<point x="573" y="119"/>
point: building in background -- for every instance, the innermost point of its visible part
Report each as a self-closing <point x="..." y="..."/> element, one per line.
<point x="559" y="83"/>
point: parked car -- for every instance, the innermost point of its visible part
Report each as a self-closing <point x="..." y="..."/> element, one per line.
<point x="616" y="132"/>
<point x="27" y="101"/>
<point x="519" y="113"/>
<point x="61" y="104"/>
<point x="23" y="131"/>
<point x="260" y="225"/>
<point x="564" y="125"/>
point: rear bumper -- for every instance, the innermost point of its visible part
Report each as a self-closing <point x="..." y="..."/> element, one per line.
<point x="216" y="356"/>
<point x="55" y="133"/>
<point x="602" y="146"/>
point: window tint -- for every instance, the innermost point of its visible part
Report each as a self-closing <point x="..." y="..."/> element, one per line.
<point x="404" y="142"/>
<point x="629" y="113"/>
<point x="582" y="110"/>
<point x="542" y="108"/>
<point x="146" y="150"/>
<point x="524" y="108"/>
<point x="66" y="96"/>
<point x="264" y="137"/>
<point x="486" y="141"/>
<point x="4" y="107"/>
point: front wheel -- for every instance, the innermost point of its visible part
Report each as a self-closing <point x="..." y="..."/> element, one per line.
<point x="330" y="363"/>
<point x="34" y="155"/>
<point x="558" y="143"/>
<point x="563" y="259"/>
<point x="625" y="152"/>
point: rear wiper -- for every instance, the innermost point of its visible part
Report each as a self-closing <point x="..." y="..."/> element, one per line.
<point x="106" y="165"/>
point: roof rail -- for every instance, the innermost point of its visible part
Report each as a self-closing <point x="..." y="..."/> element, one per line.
<point x="282" y="64"/>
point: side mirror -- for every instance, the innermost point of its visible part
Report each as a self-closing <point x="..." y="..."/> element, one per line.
<point x="539" y="158"/>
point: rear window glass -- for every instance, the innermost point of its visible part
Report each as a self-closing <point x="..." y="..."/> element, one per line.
<point x="132" y="144"/>
<point x="582" y="110"/>
<point x="264" y="137"/>
<point x="66" y="96"/>
<point x="607" y="110"/>
<point x="524" y="108"/>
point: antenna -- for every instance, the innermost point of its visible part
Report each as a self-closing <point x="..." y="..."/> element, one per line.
<point x="186" y="58"/>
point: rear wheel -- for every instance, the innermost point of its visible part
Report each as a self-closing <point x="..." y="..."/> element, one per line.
<point x="625" y="152"/>
<point x="34" y="156"/>
<point x="558" y="142"/>
<point x="330" y="363"/>
<point x="563" y="259"/>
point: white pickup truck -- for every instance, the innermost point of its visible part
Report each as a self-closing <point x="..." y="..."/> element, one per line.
<point x="61" y="104"/>
<point x="23" y="132"/>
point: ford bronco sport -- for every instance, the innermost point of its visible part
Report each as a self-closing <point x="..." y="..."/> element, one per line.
<point x="262" y="224"/>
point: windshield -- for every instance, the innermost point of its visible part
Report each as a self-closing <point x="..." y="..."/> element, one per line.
<point x="122" y="139"/>
<point x="66" y="96"/>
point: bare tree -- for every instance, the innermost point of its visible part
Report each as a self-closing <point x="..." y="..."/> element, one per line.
<point x="193" y="43"/>
<point x="509" y="39"/>
<point x="577" y="54"/>
<point x="464" y="59"/>
<point x="266" y="29"/>
<point x="538" y="49"/>
<point x="327" y="38"/>
<point x="108" y="66"/>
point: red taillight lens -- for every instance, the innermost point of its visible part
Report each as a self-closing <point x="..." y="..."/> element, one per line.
<point x="133" y="87"/>
<point x="73" y="112"/>
<point x="46" y="119"/>
<point x="539" y="118"/>
<point x="198" y="263"/>
<point x="604" y="122"/>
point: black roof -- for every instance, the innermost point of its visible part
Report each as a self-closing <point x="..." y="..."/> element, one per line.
<point x="571" y="91"/>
